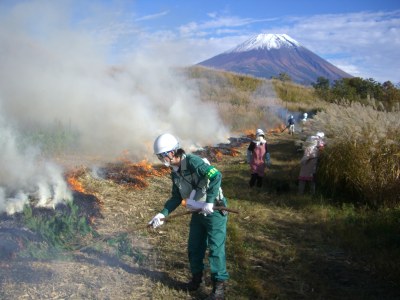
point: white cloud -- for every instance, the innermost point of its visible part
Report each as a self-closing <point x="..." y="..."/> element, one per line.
<point x="153" y="16"/>
<point x="217" y="24"/>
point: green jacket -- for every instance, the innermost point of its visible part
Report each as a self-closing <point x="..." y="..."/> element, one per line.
<point x="193" y="174"/>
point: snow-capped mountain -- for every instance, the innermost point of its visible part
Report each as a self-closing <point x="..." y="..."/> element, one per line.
<point x="268" y="55"/>
<point x="266" y="41"/>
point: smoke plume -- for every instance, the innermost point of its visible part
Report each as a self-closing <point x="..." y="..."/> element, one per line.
<point x="23" y="175"/>
<point x="58" y="91"/>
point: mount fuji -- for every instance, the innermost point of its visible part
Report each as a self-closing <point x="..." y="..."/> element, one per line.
<point x="268" y="55"/>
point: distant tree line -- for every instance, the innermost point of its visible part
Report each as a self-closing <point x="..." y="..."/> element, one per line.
<point x="284" y="77"/>
<point x="360" y="90"/>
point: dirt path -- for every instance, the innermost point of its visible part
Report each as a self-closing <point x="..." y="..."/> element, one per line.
<point x="293" y="264"/>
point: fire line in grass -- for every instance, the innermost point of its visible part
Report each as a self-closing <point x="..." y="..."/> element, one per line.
<point x="133" y="175"/>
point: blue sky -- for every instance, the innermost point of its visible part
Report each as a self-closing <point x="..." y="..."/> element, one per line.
<point x="362" y="37"/>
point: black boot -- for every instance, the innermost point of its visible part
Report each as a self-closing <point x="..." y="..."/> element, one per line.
<point x="259" y="181"/>
<point x="196" y="281"/>
<point x="253" y="180"/>
<point x="218" y="291"/>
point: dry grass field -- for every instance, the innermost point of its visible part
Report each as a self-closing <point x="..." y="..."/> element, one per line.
<point x="278" y="247"/>
<point x="341" y="243"/>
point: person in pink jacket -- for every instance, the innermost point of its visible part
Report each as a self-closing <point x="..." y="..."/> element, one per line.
<point x="258" y="157"/>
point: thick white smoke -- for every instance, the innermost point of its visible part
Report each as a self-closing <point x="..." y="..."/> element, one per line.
<point x="54" y="72"/>
<point x="24" y="174"/>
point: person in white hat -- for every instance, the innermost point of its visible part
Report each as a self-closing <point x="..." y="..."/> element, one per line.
<point x="304" y="121"/>
<point x="291" y="125"/>
<point x="200" y="183"/>
<point x="258" y="157"/>
<point x="309" y="161"/>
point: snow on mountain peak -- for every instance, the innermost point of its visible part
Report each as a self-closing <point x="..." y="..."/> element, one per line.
<point x="266" y="41"/>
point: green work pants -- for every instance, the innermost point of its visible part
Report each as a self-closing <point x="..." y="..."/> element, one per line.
<point x="208" y="231"/>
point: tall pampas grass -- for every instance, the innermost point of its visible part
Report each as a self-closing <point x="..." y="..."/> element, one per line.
<point x="362" y="159"/>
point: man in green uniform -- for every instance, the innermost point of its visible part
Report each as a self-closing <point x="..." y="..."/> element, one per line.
<point x="200" y="183"/>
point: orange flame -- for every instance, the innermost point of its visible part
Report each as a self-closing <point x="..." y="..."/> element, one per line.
<point x="278" y="129"/>
<point x="235" y="152"/>
<point x="75" y="184"/>
<point x="249" y="132"/>
<point x="218" y="155"/>
<point x="133" y="174"/>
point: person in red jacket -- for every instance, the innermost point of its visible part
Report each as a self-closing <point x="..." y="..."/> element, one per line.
<point x="258" y="157"/>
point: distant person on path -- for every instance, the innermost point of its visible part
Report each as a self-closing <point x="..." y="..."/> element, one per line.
<point x="304" y="121"/>
<point x="291" y="124"/>
<point x="258" y="157"/>
<point x="200" y="183"/>
<point x="309" y="161"/>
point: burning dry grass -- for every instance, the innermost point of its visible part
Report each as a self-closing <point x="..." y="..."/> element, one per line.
<point x="125" y="173"/>
<point x="133" y="175"/>
<point x="216" y="154"/>
<point x="278" y="129"/>
<point x="74" y="183"/>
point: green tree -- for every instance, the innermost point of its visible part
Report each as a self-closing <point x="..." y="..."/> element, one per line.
<point x="390" y="94"/>
<point x="284" y="77"/>
<point x="342" y="90"/>
<point x="322" y="83"/>
<point x="322" y="88"/>
<point x="374" y="89"/>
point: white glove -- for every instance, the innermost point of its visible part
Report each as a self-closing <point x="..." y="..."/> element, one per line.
<point x="207" y="209"/>
<point x="193" y="205"/>
<point x="156" y="221"/>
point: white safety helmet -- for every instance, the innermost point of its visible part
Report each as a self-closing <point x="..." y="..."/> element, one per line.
<point x="164" y="143"/>
<point x="259" y="132"/>
<point x="305" y="115"/>
<point x="320" y="134"/>
<point x="291" y="116"/>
